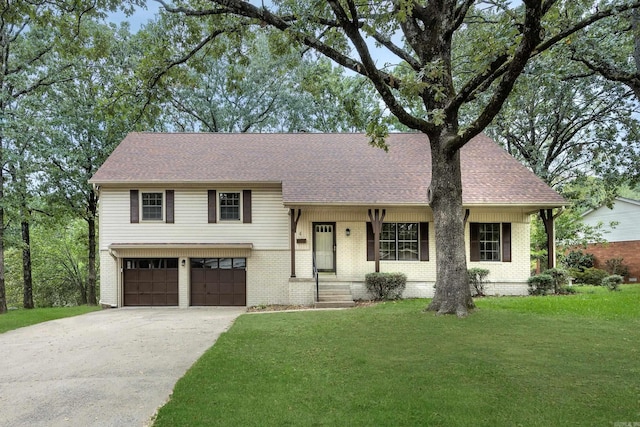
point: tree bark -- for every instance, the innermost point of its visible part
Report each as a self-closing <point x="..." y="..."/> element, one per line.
<point x="452" y="294"/>
<point x="27" y="280"/>
<point x="3" y="297"/>
<point x="92" y="277"/>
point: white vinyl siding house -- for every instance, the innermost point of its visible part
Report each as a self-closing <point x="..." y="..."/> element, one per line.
<point x="249" y="230"/>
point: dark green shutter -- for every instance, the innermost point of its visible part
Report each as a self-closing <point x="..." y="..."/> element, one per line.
<point x="424" y="241"/>
<point x="211" y="206"/>
<point x="134" y="210"/>
<point x="371" y="254"/>
<point x="474" y="243"/>
<point x="506" y="242"/>
<point x="246" y="206"/>
<point x="169" y="206"/>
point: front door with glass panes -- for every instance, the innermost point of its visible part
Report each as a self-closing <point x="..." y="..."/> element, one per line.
<point x="324" y="246"/>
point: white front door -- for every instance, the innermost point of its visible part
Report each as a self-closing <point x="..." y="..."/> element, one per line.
<point x="324" y="247"/>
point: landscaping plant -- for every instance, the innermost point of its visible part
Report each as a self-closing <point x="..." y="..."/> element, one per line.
<point x="385" y="286"/>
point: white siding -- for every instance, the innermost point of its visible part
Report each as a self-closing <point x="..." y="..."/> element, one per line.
<point x="269" y="228"/>
<point x="626" y="214"/>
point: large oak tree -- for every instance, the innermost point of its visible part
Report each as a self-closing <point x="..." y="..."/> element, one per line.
<point x="427" y="87"/>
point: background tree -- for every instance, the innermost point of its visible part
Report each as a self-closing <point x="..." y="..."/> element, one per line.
<point x="256" y="83"/>
<point x="344" y="32"/>
<point x="32" y="34"/>
<point x="90" y="115"/>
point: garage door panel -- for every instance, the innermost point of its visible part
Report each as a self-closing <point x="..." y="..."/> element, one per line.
<point x="221" y="280"/>
<point x="211" y="275"/>
<point x="226" y="299"/>
<point x="151" y="282"/>
<point x="145" y="275"/>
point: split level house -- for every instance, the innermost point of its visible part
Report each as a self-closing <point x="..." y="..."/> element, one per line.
<point x="191" y="219"/>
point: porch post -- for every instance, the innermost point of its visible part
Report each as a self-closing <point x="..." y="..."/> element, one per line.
<point x="294" y="226"/>
<point x="376" y="224"/>
<point x="548" y="220"/>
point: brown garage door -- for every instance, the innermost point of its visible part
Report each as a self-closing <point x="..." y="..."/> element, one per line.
<point x="151" y="281"/>
<point x="218" y="281"/>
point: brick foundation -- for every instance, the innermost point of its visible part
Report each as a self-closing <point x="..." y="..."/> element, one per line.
<point x="629" y="251"/>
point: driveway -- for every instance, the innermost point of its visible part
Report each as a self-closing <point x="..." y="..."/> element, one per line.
<point x="107" y="368"/>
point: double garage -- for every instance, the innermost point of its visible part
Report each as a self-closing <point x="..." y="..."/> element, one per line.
<point x="213" y="281"/>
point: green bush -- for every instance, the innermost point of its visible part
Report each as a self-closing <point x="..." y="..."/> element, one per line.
<point x="590" y="276"/>
<point x="612" y="282"/>
<point x="578" y="260"/>
<point x="385" y="286"/>
<point x="560" y="278"/>
<point x="540" y="284"/>
<point x="477" y="280"/>
<point x="616" y="266"/>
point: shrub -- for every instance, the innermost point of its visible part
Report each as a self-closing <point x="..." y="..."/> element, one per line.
<point x="578" y="260"/>
<point x="612" y="282"/>
<point x="477" y="280"/>
<point x="385" y="286"/>
<point x="560" y="278"/>
<point x="540" y="284"/>
<point x="616" y="266"/>
<point x="590" y="276"/>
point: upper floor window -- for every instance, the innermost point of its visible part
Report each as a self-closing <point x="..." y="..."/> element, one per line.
<point x="152" y="206"/>
<point x="230" y="206"/>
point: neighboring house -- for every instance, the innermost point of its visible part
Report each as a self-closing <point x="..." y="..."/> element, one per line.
<point x="623" y="238"/>
<point x="238" y="219"/>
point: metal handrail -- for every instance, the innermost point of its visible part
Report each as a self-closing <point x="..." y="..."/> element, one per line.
<point x="315" y="276"/>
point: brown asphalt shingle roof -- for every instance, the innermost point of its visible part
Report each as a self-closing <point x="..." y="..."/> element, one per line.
<point x="322" y="168"/>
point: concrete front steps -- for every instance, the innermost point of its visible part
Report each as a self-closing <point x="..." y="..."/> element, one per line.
<point x="332" y="295"/>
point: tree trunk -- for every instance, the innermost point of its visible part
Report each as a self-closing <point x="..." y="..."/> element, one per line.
<point x="26" y="266"/>
<point x="3" y="297"/>
<point x="452" y="294"/>
<point x="92" y="278"/>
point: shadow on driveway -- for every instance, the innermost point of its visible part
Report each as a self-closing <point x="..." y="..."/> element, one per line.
<point x="107" y="368"/>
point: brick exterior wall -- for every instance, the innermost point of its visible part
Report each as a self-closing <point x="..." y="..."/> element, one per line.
<point x="629" y="251"/>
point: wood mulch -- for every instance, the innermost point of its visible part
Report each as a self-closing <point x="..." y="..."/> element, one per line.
<point x="285" y="307"/>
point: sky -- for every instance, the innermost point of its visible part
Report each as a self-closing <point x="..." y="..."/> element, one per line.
<point x="139" y="18"/>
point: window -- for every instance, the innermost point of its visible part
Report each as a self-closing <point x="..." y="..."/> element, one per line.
<point x="230" y="206"/>
<point x="490" y="241"/>
<point x="152" y="206"/>
<point x="399" y="241"/>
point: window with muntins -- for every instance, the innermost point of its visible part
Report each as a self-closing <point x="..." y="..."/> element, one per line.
<point x="399" y="241"/>
<point x="152" y="206"/>
<point x="230" y="206"/>
<point x="489" y="239"/>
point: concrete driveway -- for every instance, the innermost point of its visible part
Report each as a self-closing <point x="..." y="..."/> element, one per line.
<point x="108" y="368"/>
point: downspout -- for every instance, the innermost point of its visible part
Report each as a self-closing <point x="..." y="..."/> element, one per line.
<point x="114" y="255"/>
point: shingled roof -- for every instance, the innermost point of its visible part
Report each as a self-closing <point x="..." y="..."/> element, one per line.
<point x="316" y="168"/>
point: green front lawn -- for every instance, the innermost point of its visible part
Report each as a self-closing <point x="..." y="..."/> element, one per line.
<point x="15" y="319"/>
<point x="534" y="361"/>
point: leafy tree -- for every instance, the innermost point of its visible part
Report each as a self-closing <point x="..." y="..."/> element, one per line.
<point x="32" y="35"/>
<point x="90" y="115"/>
<point x="344" y="32"/>
<point x="243" y="86"/>
<point x="620" y="39"/>
<point x="568" y="130"/>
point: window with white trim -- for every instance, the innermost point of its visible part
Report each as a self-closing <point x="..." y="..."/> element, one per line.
<point x="489" y="239"/>
<point x="152" y="206"/>
<point x="399" y="241"/>
<point x="229" y="206"/>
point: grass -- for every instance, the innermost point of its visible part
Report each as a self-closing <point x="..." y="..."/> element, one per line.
<point x="534" y="361"/>
<point x="15" y="319"/>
